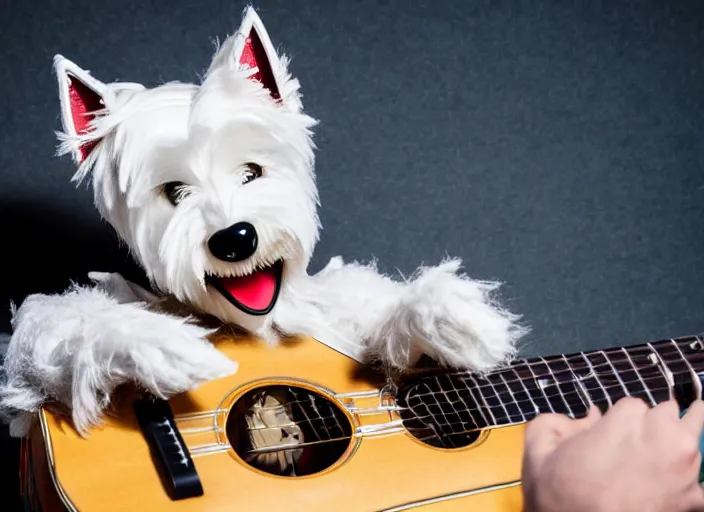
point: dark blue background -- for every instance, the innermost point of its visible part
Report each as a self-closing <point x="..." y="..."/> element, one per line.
<point x="555" y="145"/>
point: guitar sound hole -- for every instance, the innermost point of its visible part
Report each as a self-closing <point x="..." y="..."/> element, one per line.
<point x="440" y="411"/>
<point x="432" y="434"/>
<point x="288" y="430"/>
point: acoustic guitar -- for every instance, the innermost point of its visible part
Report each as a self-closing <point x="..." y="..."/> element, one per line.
<point x="301" y="427"/>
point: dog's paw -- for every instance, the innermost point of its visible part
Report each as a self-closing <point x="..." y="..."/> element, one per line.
<point x="175" y="357"/>
<point x="163" y="354"/>
<point x="458" y="322"/>
<point x="452" y="319"/>
<point x="78" y="347"/>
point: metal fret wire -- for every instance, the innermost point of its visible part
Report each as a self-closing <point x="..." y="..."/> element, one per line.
<point x="440" y="421"/>
<point x="593" y="372"/>
<point x="635" y="369"/>
<point x="469" y="409"/>
<point x="569" y="403"/>
<point x="214" y="448"/>
<point x="521" y="380"/>
<point x="610" y="363"/>
<point x="571" y="368"/>
<point x="433" y="424"/>
<point x="607" y="387"/>
<point x="693" y="374"/>
<point x="463" y="430"/>
<point x="556" y="380"/>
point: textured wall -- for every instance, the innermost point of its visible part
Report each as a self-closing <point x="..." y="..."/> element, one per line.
<point x="555" y="147"/>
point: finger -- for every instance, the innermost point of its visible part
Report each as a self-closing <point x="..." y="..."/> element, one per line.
<point x="693" y="420"/>
<point x="545" y="425"/>
<point x="542" y="432"/>
<point x="593" y="415"/>
<point x="627" y="409"/>
<point x="669" y="410"/>
<point x="546" y="431"/>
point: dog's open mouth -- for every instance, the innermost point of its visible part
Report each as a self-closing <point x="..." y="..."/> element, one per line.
<point x="255" y="293"/>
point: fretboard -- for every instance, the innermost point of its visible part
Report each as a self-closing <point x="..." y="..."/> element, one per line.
<point x="456" y="402"/>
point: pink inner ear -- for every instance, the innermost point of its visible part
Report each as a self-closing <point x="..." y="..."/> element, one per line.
<point x="254" y="55"/>
<point x="83" y="101"/>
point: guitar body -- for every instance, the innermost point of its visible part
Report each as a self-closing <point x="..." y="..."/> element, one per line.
<point x="368" y="462"/>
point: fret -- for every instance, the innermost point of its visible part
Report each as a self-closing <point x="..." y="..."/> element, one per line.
<point x="551" y="388"/>
<point x="534" y="385"/>
<point x="567" y="384"/>
<point x="581" y="388"/>
<point x="493" y="401"/>
<point x="616" y="374"/>
<point x="608" y="376"/>
<point x="697" y="347"/>
<point x="510" y="405"/>
<point x="472" y="390"/>
<point x="664" y="369"/>
<point x="514" y="382"/>
<point x="627" y="375"/>
<point x="519" y="406"/>
<point x="650" y="371"/>
<point x="629" y="359"/>
<point x="683" y="379"/>
<point x="448" y="409"/>
<point x="596" y="389"/>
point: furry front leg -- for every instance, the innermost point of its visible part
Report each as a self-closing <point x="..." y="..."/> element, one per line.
<point x="78" y="347"/>
<point x="453" y="319"/>
<point x="438" y="312"/>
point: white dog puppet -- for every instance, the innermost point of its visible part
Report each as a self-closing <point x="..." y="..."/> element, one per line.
<point x="212" y="188"/>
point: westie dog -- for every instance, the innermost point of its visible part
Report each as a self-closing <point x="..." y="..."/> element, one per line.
<point x="212" y="188"/>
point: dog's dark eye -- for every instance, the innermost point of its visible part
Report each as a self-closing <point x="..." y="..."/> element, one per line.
<point x="253" y="172"/>
<point x="175" y="191"/>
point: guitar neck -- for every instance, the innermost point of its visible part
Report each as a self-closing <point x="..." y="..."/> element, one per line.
<point x="568" y="384"/>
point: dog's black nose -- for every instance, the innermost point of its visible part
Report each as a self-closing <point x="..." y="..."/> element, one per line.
<point x="236" y="243"/>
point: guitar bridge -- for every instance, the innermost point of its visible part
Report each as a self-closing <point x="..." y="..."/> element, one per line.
<point x="170" y="453"/>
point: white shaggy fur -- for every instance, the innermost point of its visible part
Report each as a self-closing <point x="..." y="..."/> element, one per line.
<point x="75" y="348"/>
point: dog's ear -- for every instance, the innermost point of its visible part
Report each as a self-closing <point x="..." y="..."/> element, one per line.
<point x="254" y="52"/>
<point x="81" y="97"/>
<point x="251" y="51"/>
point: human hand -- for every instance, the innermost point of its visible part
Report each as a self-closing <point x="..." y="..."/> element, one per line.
<point x="632" y="459"/>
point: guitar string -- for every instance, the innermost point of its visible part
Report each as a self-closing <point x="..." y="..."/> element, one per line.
<point x="573" y="402"/>
<point x="532" y="363"/>
<point x="218" y="448"/>
<point x="434" y="424"/>
<point x="501" y="394"/>
<point x="569" y="401"/>
<point x="571" y="372"/>
<point x="518" y="364"/>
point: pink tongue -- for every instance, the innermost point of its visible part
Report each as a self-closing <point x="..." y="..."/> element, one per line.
<point x="255" y="291"/>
